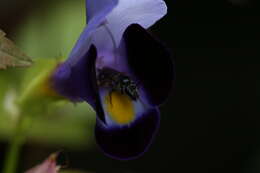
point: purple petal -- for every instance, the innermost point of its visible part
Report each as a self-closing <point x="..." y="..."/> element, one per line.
<point x="109" y="34"/>
<point x="78" y="83"/>
<point x="107" y="20"/>
<point x="96" y="12"/>
<point x="145" y="51"/>
<point x="143" y="12"/>
<point x="74" y="82"/>
<point x="106" y="47"/>
<point x="128" y="142"/>
<point x="97" y="8"/>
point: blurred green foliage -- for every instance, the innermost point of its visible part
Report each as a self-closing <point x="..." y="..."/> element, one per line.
<point x="46" y="34"/>
<point x="52" y="31"/>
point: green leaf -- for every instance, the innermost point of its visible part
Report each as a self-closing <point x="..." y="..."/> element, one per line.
<point x="11" y="55"/>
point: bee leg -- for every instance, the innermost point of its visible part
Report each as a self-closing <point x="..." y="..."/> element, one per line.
<point x="123" y="90"/>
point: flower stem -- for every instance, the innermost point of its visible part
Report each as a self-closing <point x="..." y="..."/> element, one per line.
<point x="35" y="96"/>
<point x="17" y="141"/>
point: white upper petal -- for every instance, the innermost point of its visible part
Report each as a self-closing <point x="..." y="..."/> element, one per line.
<point x="95" y="8"/>
<point x="114" y="16"/>
<point x="108" y="36"/>
<point x="142" y="12"/>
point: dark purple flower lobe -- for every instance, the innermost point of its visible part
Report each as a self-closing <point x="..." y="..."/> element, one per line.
<point x="150" y="62"/>
<point x="128" y="142"/>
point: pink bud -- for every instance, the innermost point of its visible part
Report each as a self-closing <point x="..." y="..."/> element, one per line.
<point x="48" y="166"/>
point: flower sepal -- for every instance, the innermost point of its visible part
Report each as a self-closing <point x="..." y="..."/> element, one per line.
<point x="37" y="85"/>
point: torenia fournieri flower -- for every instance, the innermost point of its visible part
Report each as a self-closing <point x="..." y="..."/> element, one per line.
<point x="121" y="71"/>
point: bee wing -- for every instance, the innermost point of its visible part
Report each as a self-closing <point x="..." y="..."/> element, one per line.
<point x="11" y="55"/>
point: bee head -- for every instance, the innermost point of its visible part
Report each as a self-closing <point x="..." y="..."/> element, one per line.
<point x="131" y="90"/>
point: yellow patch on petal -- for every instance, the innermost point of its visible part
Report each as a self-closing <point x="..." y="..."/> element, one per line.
<point x="120" y="107"/>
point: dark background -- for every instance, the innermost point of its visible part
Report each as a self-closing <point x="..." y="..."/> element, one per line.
<point x="211" y="121"/>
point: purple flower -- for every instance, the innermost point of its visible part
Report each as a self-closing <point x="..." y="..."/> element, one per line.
<point x="121" y="71"/>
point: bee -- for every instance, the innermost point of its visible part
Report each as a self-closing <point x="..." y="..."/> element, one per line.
<point x="117" y="81"/>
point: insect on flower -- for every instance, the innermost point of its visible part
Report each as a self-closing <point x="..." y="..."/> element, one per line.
<point x="122" y="71"/>
<point x="117" y="81"/>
